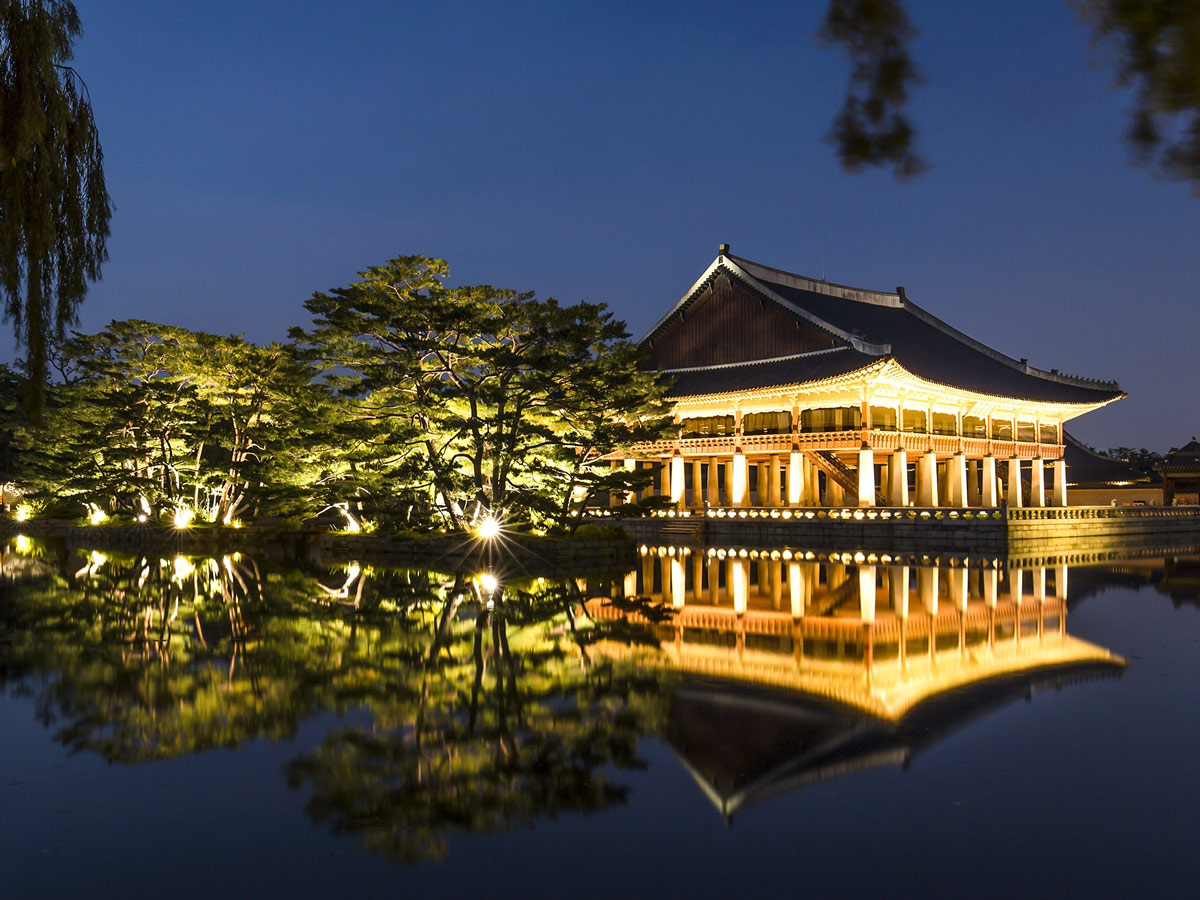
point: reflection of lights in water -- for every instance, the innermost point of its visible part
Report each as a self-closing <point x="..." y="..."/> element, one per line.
<point x="182" y="567"/>
<point x="488" y="528"/>
<point x="96" y="559"/>
<point x="23" y="512"/>
<point x="22" y="544"/>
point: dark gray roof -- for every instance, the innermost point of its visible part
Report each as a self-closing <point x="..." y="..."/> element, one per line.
<point x="1086" y="466"/>
<point x="930" y="348"/>
<point x="769" y="373"/>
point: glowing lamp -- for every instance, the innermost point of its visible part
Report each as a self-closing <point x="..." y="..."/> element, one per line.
<point x="487" y="529"/>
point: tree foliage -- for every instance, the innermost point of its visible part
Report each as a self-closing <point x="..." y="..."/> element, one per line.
<point x="54" y="205"/>
<point x="1157" y="49"/>
<point x="495" y="399"/>
<point x="871" y="129"/>
<point x="151" y="418"/>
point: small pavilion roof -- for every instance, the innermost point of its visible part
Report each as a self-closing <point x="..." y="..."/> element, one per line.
<point x="868" y="325"/>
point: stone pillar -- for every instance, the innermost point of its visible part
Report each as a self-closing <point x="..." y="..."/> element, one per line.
<point x="676" y="483"/>
<point x="956" y="480"/>
<point x="798" y="588"/>
<point x="991" y="587"/>
<point x="629" y="585"/>
<point x="773" y="483"/>
<point x="697" y="483"/>
<point x="866" y="476"/>
<point x="740" y="569"/>
<point x="989" y="496"/>
<point x="648" y="575"/>
<point x="958" y="588"/>
<point x="678" y="582"/>
<point x="974" y="491"/>
<point x="866" y="594"/>
<point x="812" y="483"/>
<point x="1037" y="482"/>
<point x="1013" y="493"/>
<point x="927" y="483"/>
<point x="898" y="478"/>
<point x="795" y="478"/>
<point x="739" y="482"/>
<point x="927" y="588"/>
<point x="835" y="495"/>
<point x="1060" y="482"/>
<point x="898" y="590"/>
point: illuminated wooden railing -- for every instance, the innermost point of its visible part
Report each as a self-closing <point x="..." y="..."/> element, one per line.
<point x="882" y="440"/>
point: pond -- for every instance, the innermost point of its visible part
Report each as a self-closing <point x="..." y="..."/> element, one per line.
<point x="711" y="722"/>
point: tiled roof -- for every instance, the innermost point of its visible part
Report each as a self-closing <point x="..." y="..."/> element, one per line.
<point x="871" y="326"/>
<point x="930" y="348"/>
<point x="767" y="373"/>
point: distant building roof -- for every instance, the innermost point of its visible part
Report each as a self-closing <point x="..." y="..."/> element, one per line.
<point x="1182" y="460"/>
<point x="864" y="326"/>
<point x="1086" y="466"/>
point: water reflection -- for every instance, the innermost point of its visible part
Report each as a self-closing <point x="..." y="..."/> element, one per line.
<point x="467" y="704"/>
<point x="877" y="634"/>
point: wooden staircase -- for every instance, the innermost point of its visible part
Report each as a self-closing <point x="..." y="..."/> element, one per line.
<point x="841" y="473"/>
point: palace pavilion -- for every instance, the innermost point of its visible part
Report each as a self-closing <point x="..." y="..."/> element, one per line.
<point x="789" y="391"/>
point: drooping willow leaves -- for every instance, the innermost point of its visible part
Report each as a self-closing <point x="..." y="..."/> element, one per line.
<point x="54" y="205"/>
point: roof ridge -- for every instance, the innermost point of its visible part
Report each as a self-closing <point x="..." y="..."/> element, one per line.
<point x="821" y="286"/>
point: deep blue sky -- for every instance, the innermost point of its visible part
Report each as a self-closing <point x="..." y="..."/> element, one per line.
<point x="260" y="151"/>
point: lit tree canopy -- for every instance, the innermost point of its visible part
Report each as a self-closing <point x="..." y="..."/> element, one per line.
<point x="54" y="206"/>
<point x="502" y="400"/>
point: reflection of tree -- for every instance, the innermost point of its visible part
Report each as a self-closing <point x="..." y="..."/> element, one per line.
<point x="514" y="721"/>
<point x="483" y="716"/>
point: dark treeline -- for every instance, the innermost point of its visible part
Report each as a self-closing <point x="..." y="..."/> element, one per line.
<point x="406" y="402"/>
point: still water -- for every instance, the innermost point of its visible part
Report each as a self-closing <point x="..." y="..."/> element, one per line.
<point x="711" y="723"/>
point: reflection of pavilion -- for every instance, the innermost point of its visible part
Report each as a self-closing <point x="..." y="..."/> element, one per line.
<point x="821" y="667"/>
<point x="877" y="637"/>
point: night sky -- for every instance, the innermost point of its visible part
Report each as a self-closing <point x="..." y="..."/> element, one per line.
<point x="259" y="151"/>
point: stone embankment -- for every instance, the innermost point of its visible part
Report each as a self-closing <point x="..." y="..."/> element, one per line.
<point x="1068" y="532"/>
